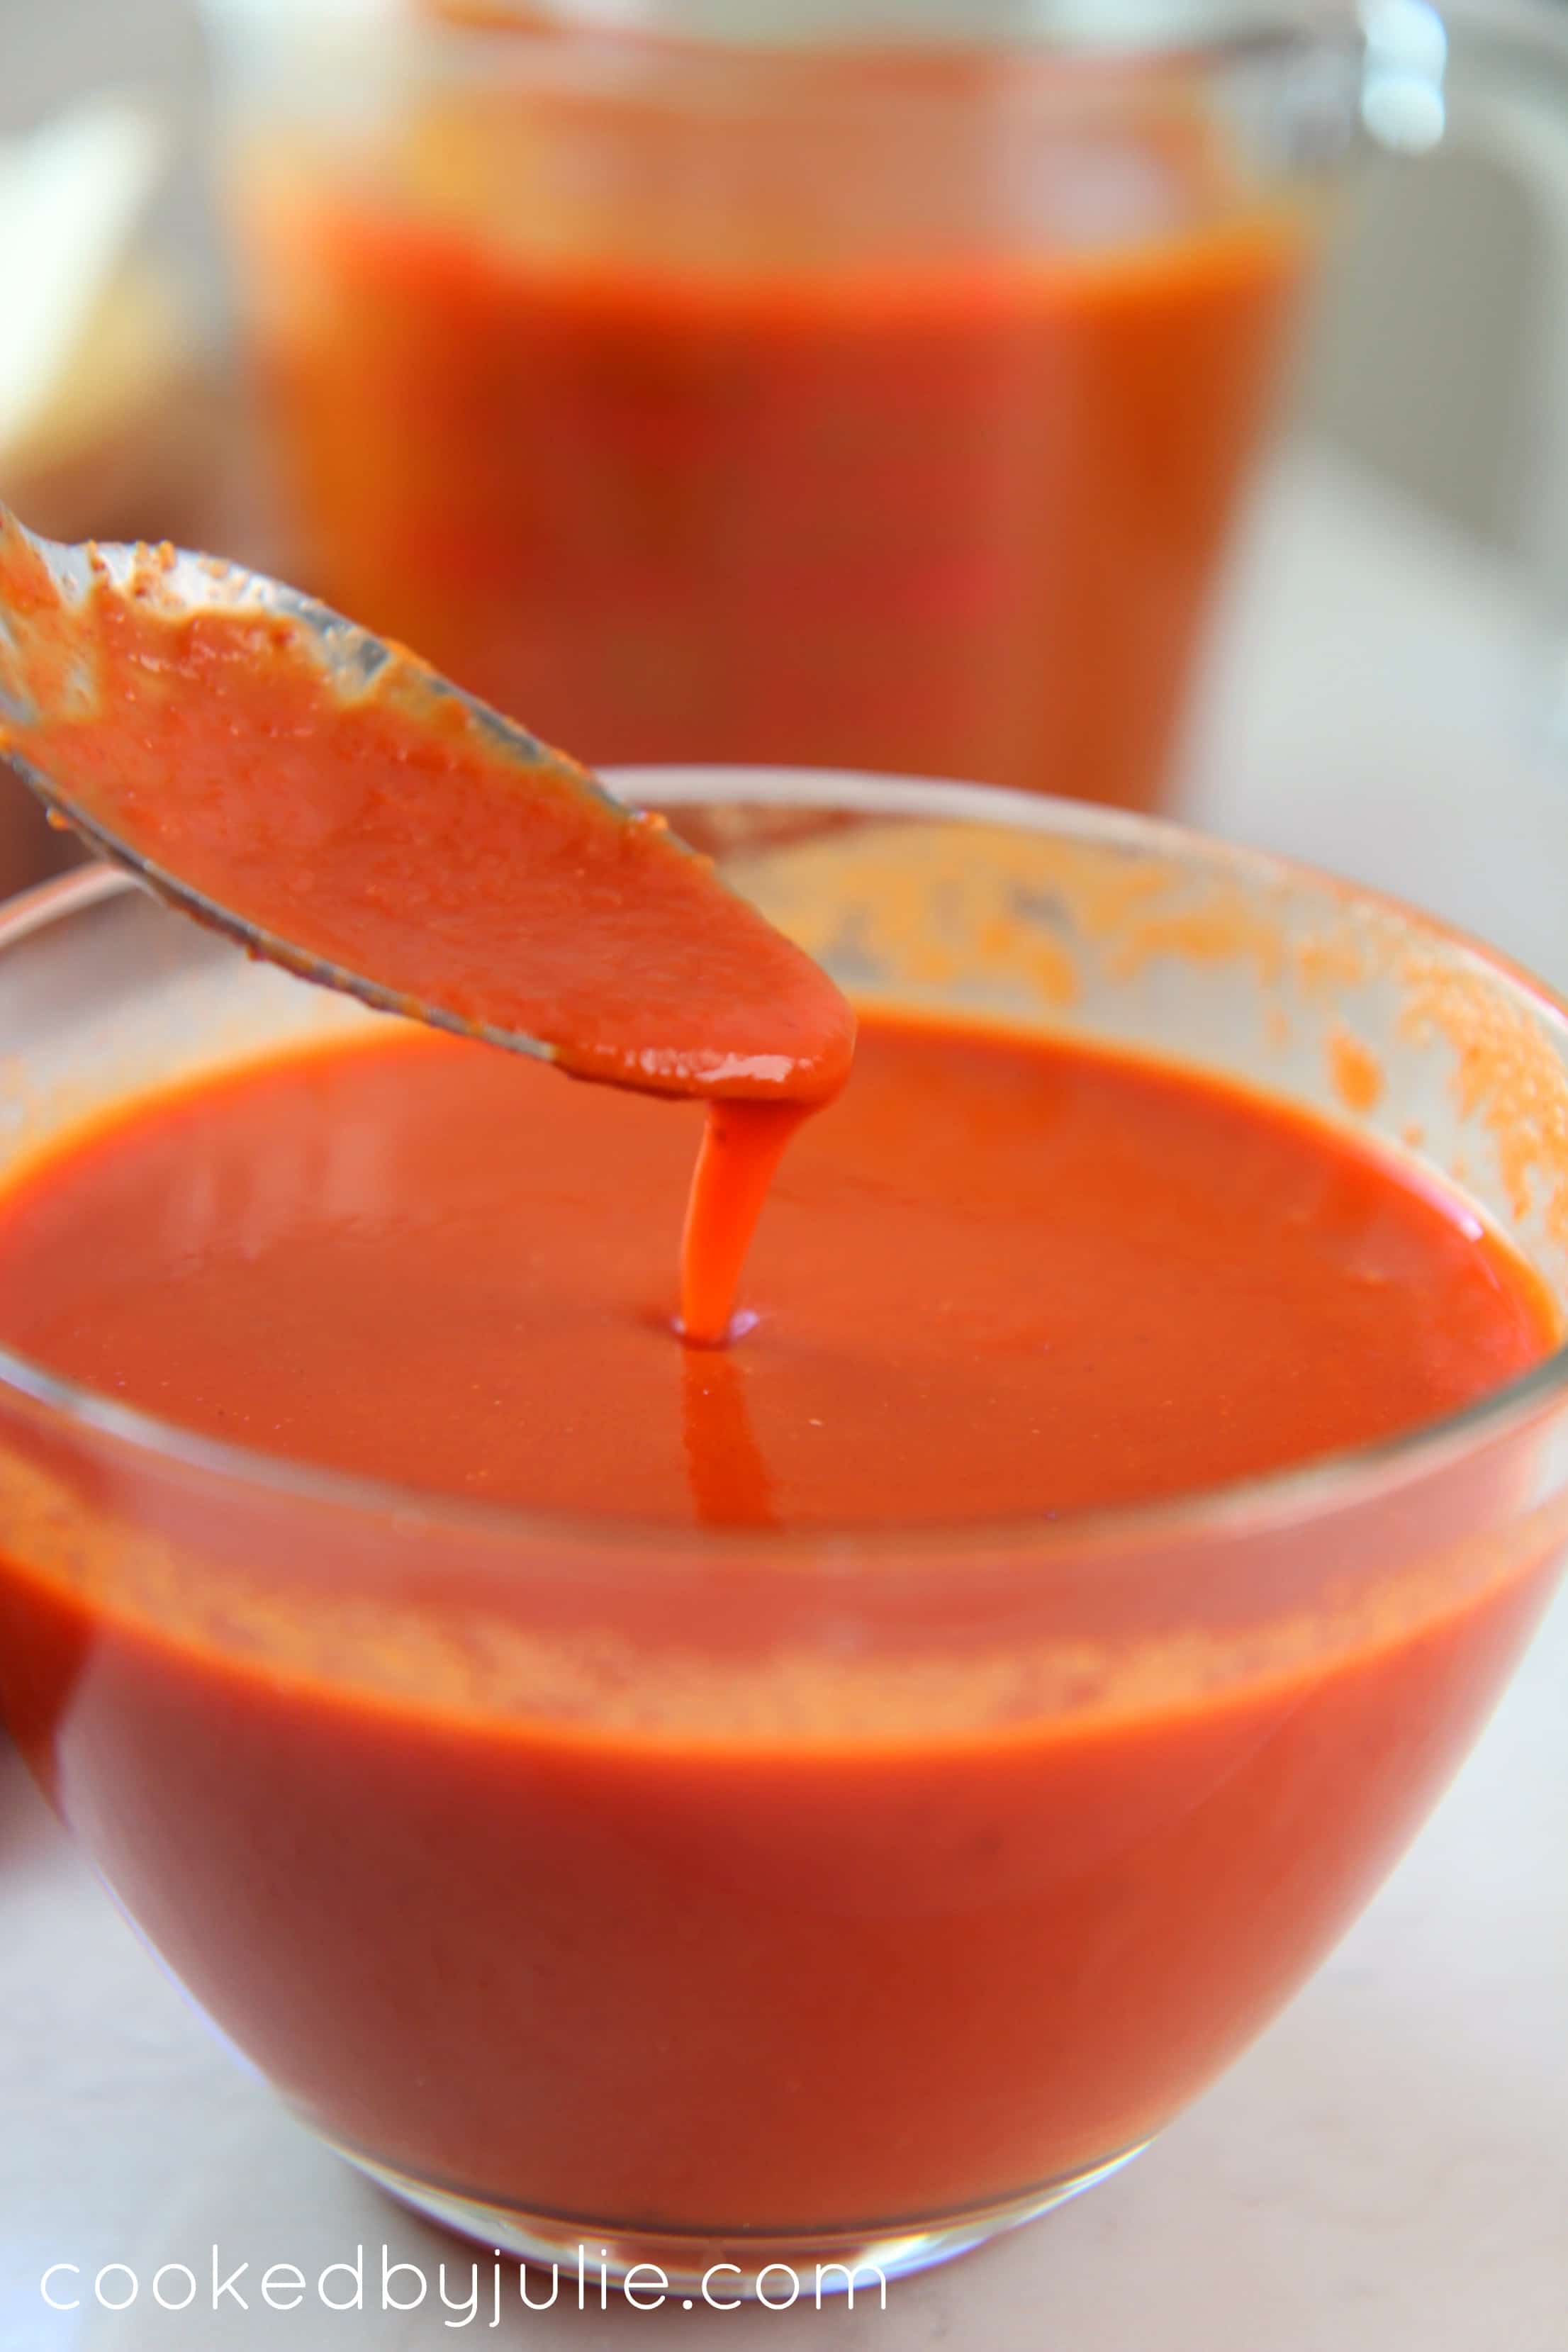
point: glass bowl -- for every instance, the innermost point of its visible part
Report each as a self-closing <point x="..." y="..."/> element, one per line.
<point x="831" y="1899"/>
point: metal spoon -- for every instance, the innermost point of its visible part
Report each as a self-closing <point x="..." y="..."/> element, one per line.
<point x="701" y="1001"/>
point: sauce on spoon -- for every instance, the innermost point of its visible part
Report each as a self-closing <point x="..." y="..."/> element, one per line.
<point x="385" y="828"/>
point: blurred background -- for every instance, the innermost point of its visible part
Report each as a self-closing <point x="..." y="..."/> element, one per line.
<point x="487" y="322"/>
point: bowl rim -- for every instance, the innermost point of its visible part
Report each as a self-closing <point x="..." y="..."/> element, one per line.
<point x="1349" y="1477"/>
<point x="1142" y="34"/>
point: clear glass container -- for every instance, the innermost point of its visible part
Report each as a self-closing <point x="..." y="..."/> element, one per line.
<point x="840" y="386"/>
<point x="827" y="1898"/>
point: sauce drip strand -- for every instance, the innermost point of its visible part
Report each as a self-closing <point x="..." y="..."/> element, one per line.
<point x="389" y="828"/>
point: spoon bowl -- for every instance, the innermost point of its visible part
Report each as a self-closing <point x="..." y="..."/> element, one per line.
<point x="331" y="802"/>
<point x="48" y="589"/>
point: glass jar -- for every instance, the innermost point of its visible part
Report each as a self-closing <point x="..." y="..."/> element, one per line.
<point x="838" y="384"/>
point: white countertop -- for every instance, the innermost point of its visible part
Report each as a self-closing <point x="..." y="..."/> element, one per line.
<point x="1387" y="2170"/>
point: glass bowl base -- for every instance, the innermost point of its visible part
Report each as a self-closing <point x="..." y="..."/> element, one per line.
<point x="593" y="2260"/>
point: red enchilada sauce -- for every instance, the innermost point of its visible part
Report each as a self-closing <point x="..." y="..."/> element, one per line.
<point x="651" y="1952"/>
<point x="793" y="1970"/>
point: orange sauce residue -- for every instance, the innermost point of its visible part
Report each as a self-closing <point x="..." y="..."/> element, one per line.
<point x="1356" y="1072"/>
